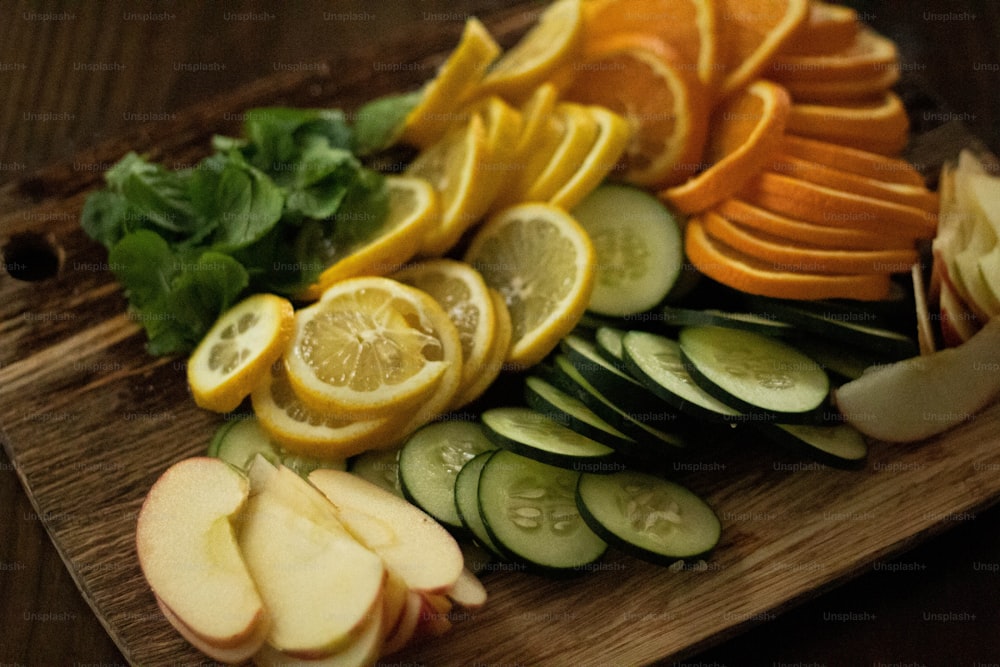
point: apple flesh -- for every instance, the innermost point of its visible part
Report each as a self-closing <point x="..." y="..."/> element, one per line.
<point x="918" y="398"/>
<point x="319" y="583"/>
<point x="364" y="650"/>
<point x="411" y="543"/>
<point x="189" y="554"/>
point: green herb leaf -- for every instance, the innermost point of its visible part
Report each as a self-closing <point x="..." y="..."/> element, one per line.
<point x="378" y="124"/>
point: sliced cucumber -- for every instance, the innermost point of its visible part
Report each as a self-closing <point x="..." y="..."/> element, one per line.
<point x="430" y="460"/>
<point x="836" y="445"/>
<point x="656" y="360"/>
<point x="609" y="345"/>
<point x="608" y="378"/>
<point x="381" y="467"/>
<point x="237" y="442"/>
<point x="570" y="411"/>
<point x="648" y="516"/>
<point x="758" y="323"/>
<point x="529" y="511"/>
<point x="651" y="443"/>
<point x="467" y="501"/>
<point x="758" y="375"/>
<point x="841" y="361"/>
<point x="538" y="436"/>
<point x="638" y="245"/>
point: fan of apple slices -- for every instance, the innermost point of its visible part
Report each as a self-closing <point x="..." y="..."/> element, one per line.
<point x="272" y="567"/>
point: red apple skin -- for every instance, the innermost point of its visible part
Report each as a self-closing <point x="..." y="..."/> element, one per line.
<point x="238" y="652"/>
<point x="957" y="321"/>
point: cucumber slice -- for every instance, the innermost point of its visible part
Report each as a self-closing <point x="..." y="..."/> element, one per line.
<point x="606" y="376"/>
<point x="842" y="362"/>
<point x="430" y="460"/>
<point x="380" y="467"/>
<point x="609" y="345"/>
<point x="755" y="374"/>
<point x="758" y="323"/>
<point x="529" y="511"/>
<point x="651" y="443"/>
<point x="836" y="445"/>
<point x="467" y="501"/>
<point x="570" y="411"/>
<point x="237" y="442"/>
<point x="656" y="360"/>
<point x="638" y="245"/>
<point x="537" y="436"/>
<point x="650" y="517"/>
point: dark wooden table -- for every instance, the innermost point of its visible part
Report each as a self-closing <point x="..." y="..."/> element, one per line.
<point x="72" y="76"/>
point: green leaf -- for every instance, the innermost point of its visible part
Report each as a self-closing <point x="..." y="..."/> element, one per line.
<point x="104" y="217"/>
<point x="144" y="264"/>
<point x="378" y="124"/>
<point x="277" y="135"/>
<point x="157" y="195"/>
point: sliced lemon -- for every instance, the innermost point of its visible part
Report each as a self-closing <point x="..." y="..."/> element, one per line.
<point x="493" y="365"/>
<point x="369" y="347"/>
<point x="357" y="249"/>
<point x="463" y="294"/>
<point x="613" y="136"/>
<point x="236" y="352"/>
<point x="300" y="429"/>
<point x="542" y="262"/>
<point x="455" y="167"/>
<point x="552" y="41"/>
<point x="535" y="114"/>
<point x="579" y="134"/>
<point x="453" y="84"/>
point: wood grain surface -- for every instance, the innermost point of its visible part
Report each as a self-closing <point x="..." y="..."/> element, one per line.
<point x="89" y="420"/>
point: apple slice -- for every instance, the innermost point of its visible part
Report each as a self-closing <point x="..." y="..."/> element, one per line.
<point x="917" y="398"/>
<point x="468" y="591"/>
<point x="190" y="556"/>
<point x="362" y="651"/>
<point x="319" y="583"/>
<point x="411" y="543"/>
<point x="406" y="626"/>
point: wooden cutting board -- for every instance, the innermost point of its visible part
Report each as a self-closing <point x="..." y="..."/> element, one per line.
<point x="90" y="421"/>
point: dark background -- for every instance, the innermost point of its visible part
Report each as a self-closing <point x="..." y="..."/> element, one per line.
<point x="75" y="74"/>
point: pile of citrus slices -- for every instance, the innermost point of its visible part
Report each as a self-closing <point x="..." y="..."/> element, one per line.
<point x="770" y="126"/>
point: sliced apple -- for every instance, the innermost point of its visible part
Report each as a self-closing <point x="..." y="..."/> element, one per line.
<point x="918" y="398"/>
<point x="406" y="626"/>
<point x="318" y="582"/>
<point x="411" y="543"/>
<point x="362" y="651"/>
<point x="190" y="556"/>
<point x="468" y="591"/>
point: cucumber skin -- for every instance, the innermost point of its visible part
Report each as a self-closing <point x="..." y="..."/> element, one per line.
<point x="796" y="447"/>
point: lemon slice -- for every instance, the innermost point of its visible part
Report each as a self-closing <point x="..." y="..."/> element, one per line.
<point x="300" y="429"/>
<point x="542" y="262"/>
<point x="369" y="347"/>
<point x="535" y="114"/>
<point x="613" y="136"/>
<point x="463" y="294"/>
<point x="456" y="80"/>
<point x="455" y="167"/>
<point x="359" y="250"/>
<point x="236" y="352"/>
<point x="552" y="41"/>
<point x="493" y="366"/>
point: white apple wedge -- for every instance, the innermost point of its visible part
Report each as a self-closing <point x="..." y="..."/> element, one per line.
<point x="189" y="554"/>
<point x="362" y="651"/>
<point x="318" y="582"/>
<point x="918" y="398"/>
<point x="410" y="542"/>
<point x="468" y="591"/>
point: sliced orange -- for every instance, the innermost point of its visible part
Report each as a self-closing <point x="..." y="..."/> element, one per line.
<point x="303" y="430"/>
<point x="742" y="272"/>
<point x="552" y="41"/>
<point x="638" y="77"/>
<point x="236" y="352"/>
<point x="803" y="258"/>
<point x="869" y="54"/>
<point x="456" y="167"/>
<point x="454" y="83"/>
<point x="882" y="122"/>
<point x="542" y="261"/>
<point x="850" y="90"/>
<point x="828" y="28"/>
<point x="463" y="294"/>
<point x="360" y="248"/>
<point x="747" y="130"/>
<point x="797" y="231"/>
<point x="910" y="195"/>
<point x="613" y="134"/>
<point x="370" y="347"/>
<point x="855" y="160"/>
<point x="817" y="204"/>
<point x="750" y="32"/>
<point x="689" y="26"/>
